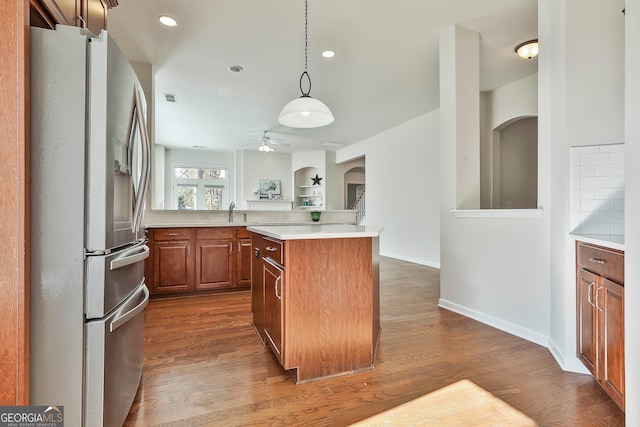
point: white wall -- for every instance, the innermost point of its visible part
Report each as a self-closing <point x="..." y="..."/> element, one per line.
<point x="518" y="99"/>
<point x="580" y="104"/>
<point x="402" y="181"/>
<point x="258" y="165"/>
<point x="632" y="211"/>
<point x="492" y="269"/>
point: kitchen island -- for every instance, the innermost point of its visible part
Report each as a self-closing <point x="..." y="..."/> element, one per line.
<point x="315" y="297"/>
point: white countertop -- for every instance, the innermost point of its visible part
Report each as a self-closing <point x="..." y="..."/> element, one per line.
<point x="316" y="231"/>
<point x="613" y="241"/>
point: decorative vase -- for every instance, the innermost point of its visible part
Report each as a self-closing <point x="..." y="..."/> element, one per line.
<point x="315" y="216"/>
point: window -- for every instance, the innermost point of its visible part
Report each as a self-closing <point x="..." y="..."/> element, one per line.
<point x="201" y="188"/>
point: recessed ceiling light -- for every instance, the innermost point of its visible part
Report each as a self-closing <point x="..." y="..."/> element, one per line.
<point x="235" y="68"/>
<point x="167" y="20"/>
<point x="328" y="54"/>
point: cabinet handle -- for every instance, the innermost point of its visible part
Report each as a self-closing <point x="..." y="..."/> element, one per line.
<point x="270" y="249"/>
<point x="597" y="260"/>
<point x="172" y="234"/>
<point x="597" y="305"/>
<point x="238" y="247"/>
<point x="278" y="281"/>
<point x="230" y="248"/>
<point x="589" y="293"/>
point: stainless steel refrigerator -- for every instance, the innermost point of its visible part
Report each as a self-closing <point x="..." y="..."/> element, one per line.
<point x="89" y="165"/>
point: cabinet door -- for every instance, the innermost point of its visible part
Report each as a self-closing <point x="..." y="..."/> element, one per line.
<point x="90" y="14"/>
<point x="172" y="266"/>
<point x="587" y="326"/>
<point x="243" y="262"/>
<point x="63" y="11"/>
<point x="257" y="290"/>
<point x="94" y="13"/>
<point x="273" y="281"/>
<point x="214" y="264"/>
<point x="610" y="301"/>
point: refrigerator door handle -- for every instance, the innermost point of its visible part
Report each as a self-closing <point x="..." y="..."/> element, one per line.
<point x="146" y="152"/>
<point x="131" y="256"/>
<point x="124" y="318"/>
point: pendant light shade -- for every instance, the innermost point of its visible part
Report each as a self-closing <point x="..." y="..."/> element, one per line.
<point x="305" y="111"/>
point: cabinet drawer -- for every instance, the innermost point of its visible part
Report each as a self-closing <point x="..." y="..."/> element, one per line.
<point x="273" y="249"/>
<point x="243" y="233"/>
<point x="169" y="234"/>
<point x="209" y="233"/>
<point x="604" y="262"/>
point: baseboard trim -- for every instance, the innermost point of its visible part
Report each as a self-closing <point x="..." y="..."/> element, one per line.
<point x="569" y="364"/>
<point x="508" y="327"/>
<point x="412" y="260"/>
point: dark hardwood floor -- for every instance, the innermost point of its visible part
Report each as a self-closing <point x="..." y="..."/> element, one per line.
<point x="205" y="366"/>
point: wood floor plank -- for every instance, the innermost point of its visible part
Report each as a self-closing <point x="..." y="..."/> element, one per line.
<point x="205" y="366"/>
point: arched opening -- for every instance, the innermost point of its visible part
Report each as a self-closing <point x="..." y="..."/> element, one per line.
<point x="514" y="166"/>
<point x="354" y="186"/>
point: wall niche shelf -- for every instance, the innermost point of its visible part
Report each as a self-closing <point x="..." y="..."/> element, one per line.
<point x="308" y="196"/>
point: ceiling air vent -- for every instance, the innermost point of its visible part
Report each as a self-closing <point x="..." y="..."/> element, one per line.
<point x="170" y="97"/>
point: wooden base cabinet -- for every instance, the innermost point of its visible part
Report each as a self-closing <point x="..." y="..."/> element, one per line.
<point x="191" y="260"/>
<point x="318" y="308"/>
<point x="172" y="260"/>
<point x="600" y="309"/>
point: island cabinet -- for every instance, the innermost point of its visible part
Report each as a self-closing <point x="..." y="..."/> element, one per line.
<point x="196" y="259"/>
<point x="316" y="303"/>
<point x="257" y="286"/>
<point x="600" y="323"/>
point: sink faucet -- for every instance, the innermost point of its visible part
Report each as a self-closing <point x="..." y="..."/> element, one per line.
<point x="231" y="206"/>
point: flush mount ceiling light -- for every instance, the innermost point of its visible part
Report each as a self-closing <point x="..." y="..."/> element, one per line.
<point x="328" y="53"/>
<point x="167" y="20"/>
<point x="528" y="49"/>
<point x="305" y="112"/>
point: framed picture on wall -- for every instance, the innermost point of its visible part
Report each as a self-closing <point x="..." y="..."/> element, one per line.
<point x="269" y="188"/>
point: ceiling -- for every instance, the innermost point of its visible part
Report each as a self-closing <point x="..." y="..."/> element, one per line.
<point x="385" y="71"/>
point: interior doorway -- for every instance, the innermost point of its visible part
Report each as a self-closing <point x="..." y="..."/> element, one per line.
<point x="353" y="193"/>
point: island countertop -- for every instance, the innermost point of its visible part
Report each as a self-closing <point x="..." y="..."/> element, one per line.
<point x="316" y="231"/>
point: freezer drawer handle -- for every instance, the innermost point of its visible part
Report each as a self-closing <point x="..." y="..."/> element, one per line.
<point x="139" y="253"/>
<point x="124" y="318"/>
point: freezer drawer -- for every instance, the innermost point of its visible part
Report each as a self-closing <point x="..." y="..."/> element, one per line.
<point x="113" y="361"/>
<point x="112" y="278"/>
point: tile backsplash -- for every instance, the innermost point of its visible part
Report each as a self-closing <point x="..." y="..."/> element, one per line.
<point x="597" y="189"/>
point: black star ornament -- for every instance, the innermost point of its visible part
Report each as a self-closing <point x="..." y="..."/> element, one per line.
<point x="316" y="180"/>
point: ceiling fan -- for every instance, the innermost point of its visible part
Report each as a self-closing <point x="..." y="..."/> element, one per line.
<point x="266" y="142"/>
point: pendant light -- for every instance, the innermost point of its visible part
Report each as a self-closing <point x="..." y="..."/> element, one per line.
<point x="305" y="111"/>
